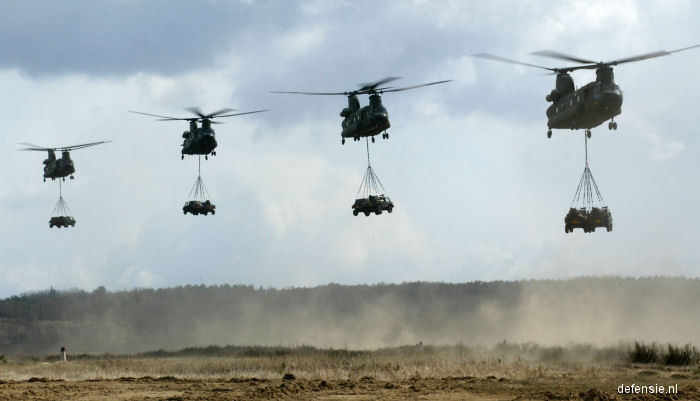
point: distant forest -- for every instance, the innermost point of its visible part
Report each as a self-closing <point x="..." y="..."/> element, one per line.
<point x="599" y="311"/>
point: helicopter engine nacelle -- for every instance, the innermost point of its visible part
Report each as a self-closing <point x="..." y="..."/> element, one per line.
<point x="553" y="96"/>
<point x="345" y="112"/>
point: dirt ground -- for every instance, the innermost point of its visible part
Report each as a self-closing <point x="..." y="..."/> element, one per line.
<point x="366" y="388"/>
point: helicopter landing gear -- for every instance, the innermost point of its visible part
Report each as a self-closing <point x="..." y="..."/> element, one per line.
<point x="213" y="153"/>
<point x="549" y="133"/>
<point x="612" y="125"/>
<point x="71" y="177"/>
<point x="372" y="139"/>
<point x="44" y="179"/>
<point x="588" y="133"/>
<point x="182" y="157"/>
<point x="385" y="135"/>
<point x="206" y="157"/>
<point x="343" y="141"/>
<point x="64" y="179"/>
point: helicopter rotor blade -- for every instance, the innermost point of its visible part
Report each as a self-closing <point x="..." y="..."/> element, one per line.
<point x="180" y="119"/>
<point x="196" y="110"/>
<point x="416" y="86"/>
<point x="36" y="149"/>
<point x="31" y="146"/>
<point x="222" y="111"/>
<point x="507" y="60"/>
<point x="61" y="149"/>
<point x="649" y="55"/>
<point x="240" y="114"/>
<point x="562" y="56"/>
<point x="313" y="93"/>
<point x="81" y="146"/>
<point x="156" y="115"/>
<point x="373" y="85"/>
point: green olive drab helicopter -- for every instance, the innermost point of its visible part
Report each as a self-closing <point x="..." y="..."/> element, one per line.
<point x="370" y="120"/>
<point x="200" y="140"/>
<point x="59" y="168"/>
<point x="590" y="105"/>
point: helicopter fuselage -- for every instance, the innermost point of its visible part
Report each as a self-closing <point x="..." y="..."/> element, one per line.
<point x="58" y="168"/>
<point x="587" y="107"/>
<point x="364" y="121"/>
<point x="199" y="142"/>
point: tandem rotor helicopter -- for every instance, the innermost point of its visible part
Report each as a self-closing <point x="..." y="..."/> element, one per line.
<point x="199" y="140"/>
<point x="59" y="168"/>
<point x="370" y="120"/>
<point x="590" y="105"/>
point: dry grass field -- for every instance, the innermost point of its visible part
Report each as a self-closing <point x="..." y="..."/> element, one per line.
<point x="426" y="373"/>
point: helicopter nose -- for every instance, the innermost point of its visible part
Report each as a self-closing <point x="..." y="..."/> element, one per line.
<point x="613" y="99"/>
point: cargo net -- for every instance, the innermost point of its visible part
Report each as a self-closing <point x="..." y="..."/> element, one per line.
<point x="371" y="184"/>
<point x="588" y="210"/>
<point x="61" y="209"/>
<point x="199" y="190"/>
<point x="587" y="194"/>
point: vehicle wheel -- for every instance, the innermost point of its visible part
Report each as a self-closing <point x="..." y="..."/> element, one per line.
<point x="378" y="212"/>
<point x="213" y="212"/>
<point x="390" y="209"/>
<point x="367" y="214"/>
<point x="343" y="141"/>
<point x="549" y="133"/>
<point x="372" y="139"/>
<point x="182" y="157"/>
<point x="614" y="125"/>
<point x="355" y="212"/>
<point x="184" y="212"/>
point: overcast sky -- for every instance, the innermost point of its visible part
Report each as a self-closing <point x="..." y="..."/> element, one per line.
<point x="480" y="193"/>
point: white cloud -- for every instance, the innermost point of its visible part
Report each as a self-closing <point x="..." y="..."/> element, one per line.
<point x="663" y="148"/>
<point x="480" y="192"/>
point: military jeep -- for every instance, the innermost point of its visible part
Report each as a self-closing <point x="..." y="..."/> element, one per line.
<point x="61" y="221"/>
<point x="198" y="207"/>
<point x="372" y="204"/>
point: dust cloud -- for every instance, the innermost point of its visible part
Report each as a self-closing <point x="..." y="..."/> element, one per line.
<point x="597" y="311"/>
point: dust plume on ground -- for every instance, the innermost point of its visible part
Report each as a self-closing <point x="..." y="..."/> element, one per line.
<point x="597" y="311"/>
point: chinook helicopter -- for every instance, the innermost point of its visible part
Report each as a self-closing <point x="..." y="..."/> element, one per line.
<point x="199" y="140"/>
<point x="590" y="105"/>
<point x="59" y="168"/>
<point x="370" y="120"/>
